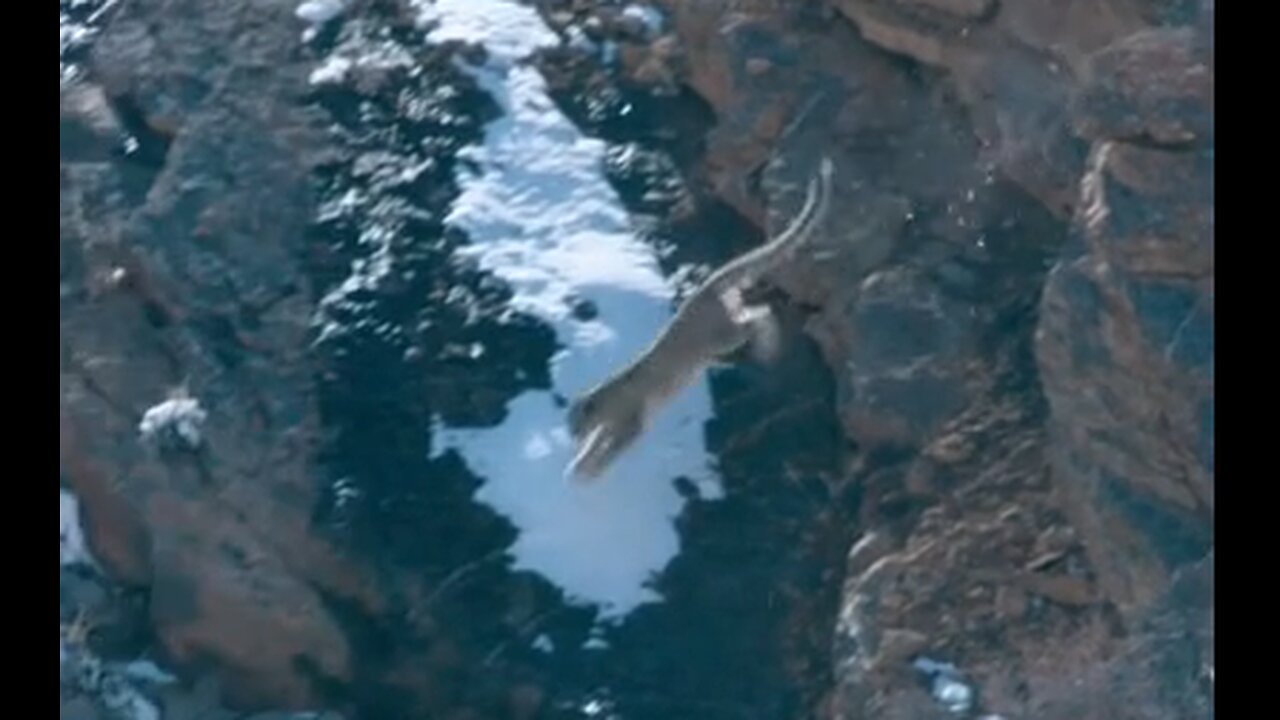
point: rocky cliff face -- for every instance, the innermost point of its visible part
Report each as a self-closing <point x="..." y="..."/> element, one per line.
<point x="1014" y="300"/>
<point x="979" y="143"/>
<point x="191" y="392"/>
<point x="188" y="277"/>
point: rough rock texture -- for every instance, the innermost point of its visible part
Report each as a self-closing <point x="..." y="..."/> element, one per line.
<point x="1024" y="543"/>
<point x="1015" y="65"/>
<point x="180" y="291"/>
<point x="1126" y="341"/>
<point x="1033" y="454"/>
<point x="186" y="264"/>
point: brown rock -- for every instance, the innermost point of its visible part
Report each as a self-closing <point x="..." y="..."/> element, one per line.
<point x="897" y="646"/>
<point x="897" y="31"/>
<point x="1153" y="86"/>
<point x="656" y="64"/>
<point x="222" y="538"/>
<point x="921" y="479"/>
<point x="1128" y="318"/>
<point x="973" y="9"/>
<point x="908" y="368"/>
<point x="1013" y="66"/>
<point x="114" y="527"/>
<point x="1011" y="603"/>
<point x="217" y="594"/>
<point x="1062" y="589"/>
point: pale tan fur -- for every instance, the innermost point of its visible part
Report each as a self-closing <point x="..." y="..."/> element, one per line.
<point x="714" y="321"/>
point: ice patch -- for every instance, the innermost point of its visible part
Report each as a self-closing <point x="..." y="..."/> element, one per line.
<point x="947" y="686"/>
<point x="377" y="55"/>
<point x="177" y="419"/>
<point x="319" y="12"/>
<point x="148" y="672"/>
<point x="334" y="70"/>
<point x="509" y="31"/>
<point x="72" y="548"/>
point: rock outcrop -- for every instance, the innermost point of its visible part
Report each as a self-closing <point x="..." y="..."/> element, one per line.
<point x="1126" y="339"/>
<point x="1023" y="541"/>
<point x="193" y="281"/>
<point x="188" y="271"/>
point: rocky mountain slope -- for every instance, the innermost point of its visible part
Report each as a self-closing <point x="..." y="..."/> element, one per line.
<point x="1011" y="462"/>
<point x="1048" y="480"/>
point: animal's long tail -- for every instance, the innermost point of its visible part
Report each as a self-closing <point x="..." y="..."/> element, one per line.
<point x="817" y="200"/>
<point x="816" y="203"/>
